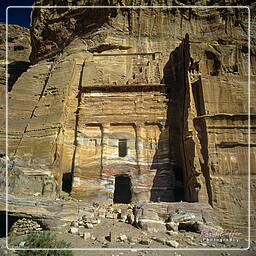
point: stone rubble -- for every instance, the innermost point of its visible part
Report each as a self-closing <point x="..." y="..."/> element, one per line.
<point x="170" y="230"/>
<point x="24" y="226"/>
<point x="173" y="224"/>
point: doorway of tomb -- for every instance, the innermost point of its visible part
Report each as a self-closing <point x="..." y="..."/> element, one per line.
<point x="67" y="182"/>
<point x="122" y="192"/>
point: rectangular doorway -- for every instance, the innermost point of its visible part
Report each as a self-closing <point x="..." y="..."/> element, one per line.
<point x="122" y="192"/>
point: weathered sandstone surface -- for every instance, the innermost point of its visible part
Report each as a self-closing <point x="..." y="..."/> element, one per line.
<point x="18" y="60"/>
<point x="137" y="105"/>
<point x="19" y="49"/>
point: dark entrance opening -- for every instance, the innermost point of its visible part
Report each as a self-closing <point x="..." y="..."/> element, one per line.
<point x="12" y="218"/>
<point x="122" y="193"/>
<point x="2" y="224"/>
<point x="67" y="182"/>
<point x="179" y="192"/>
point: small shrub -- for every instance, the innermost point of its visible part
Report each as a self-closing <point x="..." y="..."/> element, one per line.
<point x="44" y="240"/>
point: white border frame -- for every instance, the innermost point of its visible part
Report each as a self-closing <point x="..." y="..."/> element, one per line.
<point x="249" y="132"/>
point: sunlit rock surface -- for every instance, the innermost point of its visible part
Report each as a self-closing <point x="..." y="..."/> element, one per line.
<point x="149" y="103"/>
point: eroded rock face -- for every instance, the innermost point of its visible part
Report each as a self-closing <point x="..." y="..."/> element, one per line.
<point x="19" y="49"/>
<point x="148" y="102"/>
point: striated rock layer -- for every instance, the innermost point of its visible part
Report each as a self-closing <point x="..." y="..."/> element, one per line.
<point x="137" y="105"/>
<point x="19" y="49"/>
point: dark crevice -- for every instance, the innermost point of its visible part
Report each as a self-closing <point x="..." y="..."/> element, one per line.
<point x="18" y="47"/>
<point x="198" y="97"/>
<point x="79" y="98"/>
<point x="175" y="180"/>
<point x="15" y="70"/>
<point x="200" y="125"/>
<point x="188" y="226"/>
<point x="107" y="47"/>
<point x="214" y="65"/>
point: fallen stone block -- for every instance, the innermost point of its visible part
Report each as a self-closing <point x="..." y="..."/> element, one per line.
<point x="101" y="212"/>
<point x="73" y="230"/>
<point x="75" y="224"/>
<point x="122" y="237"/>
<point x="181" y="217"/>
<point x="207" y="229"/>
<point x="133" y="239"/>
<point x="101" y="238"/>
<point x="172" y="243"/>
<point x="152" y="225"/>
<point x="88" y="225"/>
<point x="159" y="240"/>
<point x="172" y="233"/>
<point x="111" y="215"/>
<point x="86" y="235"/>
<point x="145" y="241"/>
<point x="95" y="221"/>
<point x="172" y="226"/>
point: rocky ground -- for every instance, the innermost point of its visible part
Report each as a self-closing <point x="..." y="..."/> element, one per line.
<point x="124" y="230"/>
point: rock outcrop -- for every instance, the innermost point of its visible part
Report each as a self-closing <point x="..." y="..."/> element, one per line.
<point x="19" y="49"/>
<point x="137" y="105"/>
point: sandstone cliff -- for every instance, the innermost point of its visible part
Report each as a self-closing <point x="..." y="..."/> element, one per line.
<point x="19" y="49"/>
<point x="152" y="99"/>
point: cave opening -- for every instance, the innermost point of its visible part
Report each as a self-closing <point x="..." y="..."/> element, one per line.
<point x="67" y="182"/>
<point x="2" y="224"/>
<point x="122" y="192"/>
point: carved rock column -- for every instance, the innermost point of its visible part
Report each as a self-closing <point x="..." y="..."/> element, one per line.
<point x="139" y="145"/>
<point x="104" y="143"/>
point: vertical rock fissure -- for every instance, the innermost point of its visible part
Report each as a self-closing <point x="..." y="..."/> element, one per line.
<point x="56" y="158"/>
<point x="60" y="138"/>
<point x="79" y="98"/>
<point x="181" y="149"/>
<point x="184" y="125"/>
<point x="200" y="126"/>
